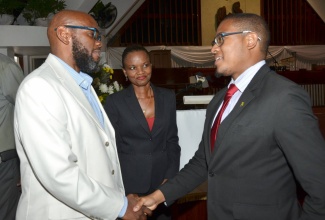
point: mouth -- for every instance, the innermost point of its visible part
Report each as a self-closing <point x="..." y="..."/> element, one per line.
<point x="218" y="58"/>
<point x="141" y="78"/>
<point x="96" y="53"/>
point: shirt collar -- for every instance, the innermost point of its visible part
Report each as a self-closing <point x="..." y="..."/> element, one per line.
<point x="244" y="79"/>
<point x="82" y="79"/>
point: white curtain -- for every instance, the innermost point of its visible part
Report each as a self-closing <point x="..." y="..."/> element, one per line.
<point x="302" y="57"/>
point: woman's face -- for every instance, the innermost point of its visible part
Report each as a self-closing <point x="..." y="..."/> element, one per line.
<point x="137" y="68"/>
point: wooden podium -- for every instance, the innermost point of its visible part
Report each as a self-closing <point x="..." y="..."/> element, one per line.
<point x="193" y="206"/>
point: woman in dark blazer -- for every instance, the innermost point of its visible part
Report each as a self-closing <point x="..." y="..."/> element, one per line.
<point x="144" y="119"/>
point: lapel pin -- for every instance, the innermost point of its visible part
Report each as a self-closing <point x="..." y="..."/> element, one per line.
<point x="242" y="104"/>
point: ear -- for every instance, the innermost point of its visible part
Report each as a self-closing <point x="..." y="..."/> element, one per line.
<point x="63" y="34"/>
<point x="124" y="72"/>
<point x="251" y="39"/>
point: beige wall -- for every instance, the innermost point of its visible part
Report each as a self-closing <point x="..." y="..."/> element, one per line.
<point x="209" y="9"/>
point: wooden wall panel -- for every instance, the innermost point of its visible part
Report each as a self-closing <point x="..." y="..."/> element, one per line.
<point x="293" y="22"/>
<point x="164" y="22"/>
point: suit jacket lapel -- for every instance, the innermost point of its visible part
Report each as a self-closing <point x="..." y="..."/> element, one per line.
<point x="131" y="101"/>
<point x="159" y="110"/>
<point x="249" y="94"/>
<point x="68" y="82"/>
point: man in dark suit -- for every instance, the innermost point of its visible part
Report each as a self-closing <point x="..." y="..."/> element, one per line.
<point x="267" y="140"/>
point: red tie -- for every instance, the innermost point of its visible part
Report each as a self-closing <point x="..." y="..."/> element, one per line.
<point x="214" y="130"/>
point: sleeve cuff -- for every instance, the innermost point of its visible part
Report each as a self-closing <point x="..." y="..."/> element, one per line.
<point x="125" y="206"/>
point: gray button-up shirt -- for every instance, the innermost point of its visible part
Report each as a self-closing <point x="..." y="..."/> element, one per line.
<point x="11" y="76"/>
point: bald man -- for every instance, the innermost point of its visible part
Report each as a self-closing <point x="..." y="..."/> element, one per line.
<point x="65" y="142"/>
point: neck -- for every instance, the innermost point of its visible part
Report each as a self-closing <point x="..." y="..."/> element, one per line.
<point x="144" y="93"/>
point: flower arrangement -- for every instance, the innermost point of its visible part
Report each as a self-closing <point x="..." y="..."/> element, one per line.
<point x="103" y="82"/>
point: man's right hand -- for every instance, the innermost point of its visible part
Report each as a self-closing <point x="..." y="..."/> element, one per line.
<point x="140" y="214"/>
<point x="151" y="201"/>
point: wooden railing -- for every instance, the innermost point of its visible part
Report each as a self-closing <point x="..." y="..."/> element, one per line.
<point x="177" y="79"/>
<point x="312" y="81"/>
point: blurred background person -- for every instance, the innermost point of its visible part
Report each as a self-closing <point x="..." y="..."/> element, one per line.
<point x="144" y="119"/>
<point x="11" y="76"/>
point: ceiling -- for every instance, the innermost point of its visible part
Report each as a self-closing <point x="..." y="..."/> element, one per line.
<point x="125" y="9"/>
<point x="319" y="7"/>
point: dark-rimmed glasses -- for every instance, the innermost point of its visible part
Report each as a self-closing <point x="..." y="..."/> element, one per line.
<point x="218" y="40"/>
<point x="97" y="36"/>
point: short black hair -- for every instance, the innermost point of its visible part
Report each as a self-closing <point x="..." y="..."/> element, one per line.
<point x="133" y="48"/>
<point x="252" y="22"/>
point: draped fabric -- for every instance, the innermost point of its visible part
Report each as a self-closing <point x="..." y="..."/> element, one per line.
<point x="201" y="57"/>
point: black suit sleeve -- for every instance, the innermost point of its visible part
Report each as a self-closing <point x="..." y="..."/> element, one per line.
<point x="298" y="135"/>
<point x="111" y="111"/>
<point x="173" y="147"/>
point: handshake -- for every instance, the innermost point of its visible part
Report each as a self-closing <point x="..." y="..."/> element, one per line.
<point x="141" y="207"/>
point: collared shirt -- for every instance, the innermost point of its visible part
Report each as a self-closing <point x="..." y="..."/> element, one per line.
<point x="11" y="76"/>
<point x="241" y="83"/>
<point x="84" y="81"/>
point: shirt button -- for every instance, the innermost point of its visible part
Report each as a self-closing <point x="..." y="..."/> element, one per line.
<point x="107" y="144"/>
<point x="112" y="172"/>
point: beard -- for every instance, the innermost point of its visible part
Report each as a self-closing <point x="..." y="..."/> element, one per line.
<point x="217" y="74"/>
<point x="84" y="61"/>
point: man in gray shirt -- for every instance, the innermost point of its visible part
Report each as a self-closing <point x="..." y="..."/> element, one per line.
<point x="11" y="76"/>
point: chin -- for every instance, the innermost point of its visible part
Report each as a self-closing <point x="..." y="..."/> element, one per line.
<point x="96" y="59"/>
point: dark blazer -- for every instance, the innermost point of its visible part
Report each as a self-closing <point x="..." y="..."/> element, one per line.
<point x="270" y="138"/>
<point x="146" y="157"/>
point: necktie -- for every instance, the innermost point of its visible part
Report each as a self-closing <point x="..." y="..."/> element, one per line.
<point x="214" y="130"/>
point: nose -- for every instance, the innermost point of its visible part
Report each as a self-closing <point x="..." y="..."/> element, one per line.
<point x="214" y="49"/>
<point x="98" y="43"/>
<point x="141" y="69"/>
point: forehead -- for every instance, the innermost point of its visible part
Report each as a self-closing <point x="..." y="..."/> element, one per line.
<point x="136" y="55"/>
<point x="226" y="26"/>
<point x="84" y="20"/>
<point x="91" y="23"/>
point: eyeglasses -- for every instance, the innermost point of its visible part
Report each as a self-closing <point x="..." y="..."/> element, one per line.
<point x="218" y="40"/>
<point x="97" y="36"/>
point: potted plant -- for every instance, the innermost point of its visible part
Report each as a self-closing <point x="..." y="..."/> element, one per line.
<point x="40" y="10"/>
<point x="105" y="15"/>
<point x="8" y="10"/>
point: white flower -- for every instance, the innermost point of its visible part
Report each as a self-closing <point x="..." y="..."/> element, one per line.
<point x="103" y="88"/>
<point x="116" y="85"/>
<point x="106" y="65"/>
<point x="110" y="89"/>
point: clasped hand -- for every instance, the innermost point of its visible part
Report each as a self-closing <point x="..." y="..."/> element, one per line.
<point x="150" y="201"/>
<point x="140" y="213"/>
